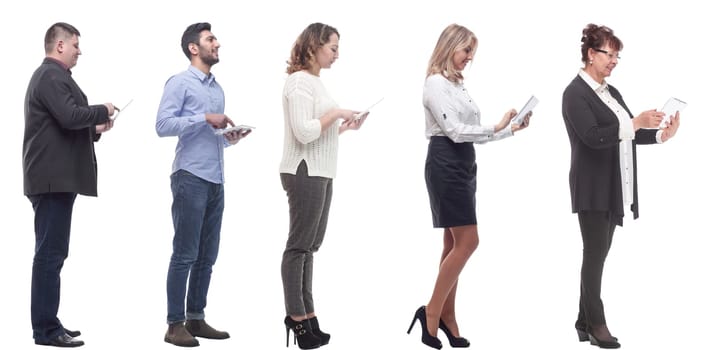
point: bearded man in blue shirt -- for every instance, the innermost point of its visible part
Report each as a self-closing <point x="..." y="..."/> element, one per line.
<point x="192" y="108"/>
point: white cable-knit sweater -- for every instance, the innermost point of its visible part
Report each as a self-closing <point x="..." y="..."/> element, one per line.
<point x="305" y="100"/>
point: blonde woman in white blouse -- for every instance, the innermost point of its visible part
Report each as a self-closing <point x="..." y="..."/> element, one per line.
<point x="312" y="123"/>
<point x="453" y="125"/>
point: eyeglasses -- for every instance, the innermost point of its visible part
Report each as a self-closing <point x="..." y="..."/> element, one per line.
<point x="610" y="55"/>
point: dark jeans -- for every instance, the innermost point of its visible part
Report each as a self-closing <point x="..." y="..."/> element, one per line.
<point x="309" y="204"/>
<point x="53" y="213"/>
<point x="597" y="232"/>
<point x="197" y="218"/>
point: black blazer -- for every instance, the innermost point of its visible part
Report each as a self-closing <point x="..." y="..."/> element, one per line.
<point x="58" y="148"/>
<point x="593" y="130"/>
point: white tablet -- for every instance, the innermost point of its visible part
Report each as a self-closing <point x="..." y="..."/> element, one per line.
<point x="118" y="111"/>
<point x="359" y="115"/>
<point x="672" y="106"/>
<point x="240" y="128"/>
<point x="520" y="117"/>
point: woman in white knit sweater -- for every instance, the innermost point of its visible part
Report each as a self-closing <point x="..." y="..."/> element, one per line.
<point x="310" y="153"/>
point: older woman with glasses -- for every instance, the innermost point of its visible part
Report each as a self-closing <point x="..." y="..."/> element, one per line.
<point x="603" y="135"/>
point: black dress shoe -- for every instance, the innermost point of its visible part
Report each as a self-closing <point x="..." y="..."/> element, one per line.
<point x="72" y="334"/>
<point x="62" y="341"/>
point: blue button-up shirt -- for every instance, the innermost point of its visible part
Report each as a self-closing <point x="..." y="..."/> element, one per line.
<point x="187" y="97"/>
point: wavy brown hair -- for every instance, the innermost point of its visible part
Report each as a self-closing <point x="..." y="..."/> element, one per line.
<point x="595" y="36"/>
<point x="454" y="37"/>
<point x="304" y="49"/>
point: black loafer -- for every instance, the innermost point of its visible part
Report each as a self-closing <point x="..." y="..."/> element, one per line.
<point x="62" y="341"/>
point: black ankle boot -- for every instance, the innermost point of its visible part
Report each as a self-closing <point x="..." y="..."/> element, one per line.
<point x="324" y="337"/>
<point x="427" y="338"/>
<point x="302" y="333"/>
<point x="455" y="342"/>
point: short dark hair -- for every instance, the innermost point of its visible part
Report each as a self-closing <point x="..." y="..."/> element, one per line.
<point x="192" y="35"/>
<point x="595" y="36"/>
<point x="57" y="30"/>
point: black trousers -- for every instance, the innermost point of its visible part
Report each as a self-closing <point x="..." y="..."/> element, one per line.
<point x="53" y="212"/>
<point x="597" y="232"/>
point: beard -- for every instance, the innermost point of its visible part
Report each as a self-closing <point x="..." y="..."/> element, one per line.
<point x="207" y="58"/>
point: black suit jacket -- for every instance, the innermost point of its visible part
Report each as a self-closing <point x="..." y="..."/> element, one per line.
<point x="58" y="148"/>
<point x="593" y="130"/>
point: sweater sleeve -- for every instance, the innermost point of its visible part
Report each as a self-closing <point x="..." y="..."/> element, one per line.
<point x="300" y="106"/>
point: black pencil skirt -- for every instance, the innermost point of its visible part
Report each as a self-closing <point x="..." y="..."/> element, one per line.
<point x="450" y="173"/>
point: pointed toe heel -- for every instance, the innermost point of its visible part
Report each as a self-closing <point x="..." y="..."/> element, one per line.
<point x="427" y="338"/>
<point x="455" y="342"/>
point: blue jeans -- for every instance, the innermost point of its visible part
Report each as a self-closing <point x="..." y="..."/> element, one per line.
<point x="197" y="218"/>
<point x="53" y="213"/>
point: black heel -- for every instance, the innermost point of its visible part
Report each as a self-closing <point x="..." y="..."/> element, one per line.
<point x="604" y="344"/>
<point x="302" y="333"/>
<point x="455" y="342"/>
<point x="427" y="339"/>
<point x="582" y="335"/>
<point x="324" y="337"/>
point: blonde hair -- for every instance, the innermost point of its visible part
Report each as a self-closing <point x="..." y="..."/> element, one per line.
<point x="304" y="49"/>
<point x="454" y="37"/>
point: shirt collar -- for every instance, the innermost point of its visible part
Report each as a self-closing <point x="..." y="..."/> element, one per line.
<point x="60" y="63"/>
<point x="598" y="88"/>
<point x="204" y="78"/>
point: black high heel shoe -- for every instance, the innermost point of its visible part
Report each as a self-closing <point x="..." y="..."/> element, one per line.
<point x="604" y="344"/>
<point x="455" y="342"/>
<point x="324" y="337"/>
<point x="584" y="336"/>
<point x="302" y="333"/>
<point x="427" y="339"/>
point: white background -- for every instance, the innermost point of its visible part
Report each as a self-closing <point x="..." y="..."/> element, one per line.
<point x="380" y="256"/>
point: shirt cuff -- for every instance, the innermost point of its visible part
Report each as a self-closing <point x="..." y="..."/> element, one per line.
<point x="659" y="133"/>
<point x="507" y="131"/>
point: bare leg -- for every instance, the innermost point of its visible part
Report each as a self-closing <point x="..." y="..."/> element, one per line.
<point x="448" y="312"/>
<point x="464" y="241"/>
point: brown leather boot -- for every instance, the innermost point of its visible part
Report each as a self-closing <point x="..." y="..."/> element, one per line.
<point x="200" y="328"/>
<point x="178" y="335"/>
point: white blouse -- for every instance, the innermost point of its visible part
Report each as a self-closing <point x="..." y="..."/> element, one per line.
<point x="626" y="135"/>
<point x="450" y="111"/>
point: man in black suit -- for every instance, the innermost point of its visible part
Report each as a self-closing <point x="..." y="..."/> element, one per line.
<point x="58" y="163"/>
